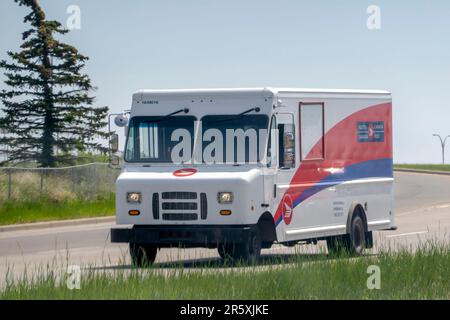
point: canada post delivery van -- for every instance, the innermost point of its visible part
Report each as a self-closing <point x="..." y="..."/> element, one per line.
<point x="241" y="169"/>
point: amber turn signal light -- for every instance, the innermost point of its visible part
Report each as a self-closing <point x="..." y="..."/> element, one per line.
<point x="134" y="212"/>
<point x="225" y="212"/>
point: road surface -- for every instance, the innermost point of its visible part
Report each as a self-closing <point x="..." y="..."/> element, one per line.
<point x="422" y="204"/>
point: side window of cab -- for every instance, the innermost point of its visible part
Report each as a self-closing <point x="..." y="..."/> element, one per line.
<point x="271" y="160"/>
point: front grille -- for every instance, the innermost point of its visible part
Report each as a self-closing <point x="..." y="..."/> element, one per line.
<point x="179" y="216"/>
<point x="203" y="206"/>
<point x="181" y="206"/>
<point x="155" y="206"/>
<point x="179" y="195"/>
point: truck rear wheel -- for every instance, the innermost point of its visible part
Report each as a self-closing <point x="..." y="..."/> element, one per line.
<point x="142" y="254"/>
<point x="249" y="250"/>
<point x="352" y="243"/>
<point x="357" y="236"/>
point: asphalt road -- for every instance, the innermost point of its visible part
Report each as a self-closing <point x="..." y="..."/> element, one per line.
<point x="422" y="207"/>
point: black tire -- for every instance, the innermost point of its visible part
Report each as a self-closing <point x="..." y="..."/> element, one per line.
<point x="352" y="243"/>
<point x="142" y="254"/>
<point x="248" y="251"/>
<point x="357" y="236"/>
<point x="224" y="251"/>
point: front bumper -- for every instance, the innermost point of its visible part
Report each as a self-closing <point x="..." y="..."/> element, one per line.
<point x="182" y="235"/>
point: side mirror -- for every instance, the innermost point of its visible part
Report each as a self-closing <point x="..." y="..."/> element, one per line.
<point x="121" y="120"/>
<point x="114" y="143"/>
<point x="288" y="146"/>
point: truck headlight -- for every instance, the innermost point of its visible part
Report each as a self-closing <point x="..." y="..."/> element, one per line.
<point x="134" y="197"/>
<point x="225" y="197"/>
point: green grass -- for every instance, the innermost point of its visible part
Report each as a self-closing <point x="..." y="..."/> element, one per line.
<point x="433" y="167"/>
<point x="423" y="275"/>
<point x="13" y="212"/>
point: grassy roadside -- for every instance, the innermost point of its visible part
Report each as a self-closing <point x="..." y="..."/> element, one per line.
<point x="431" y="167"/>
<point x="422" y="275"/>
<point x="13" y="212"/>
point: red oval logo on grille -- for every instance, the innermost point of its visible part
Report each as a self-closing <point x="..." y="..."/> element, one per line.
<point x="186" y="172"/>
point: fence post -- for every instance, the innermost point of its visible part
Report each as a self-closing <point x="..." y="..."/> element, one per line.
<point x="42" y="180"/>
<point x="9" y="184"/>
<point x="72" y="174"/>
<point x="94" y="175"/>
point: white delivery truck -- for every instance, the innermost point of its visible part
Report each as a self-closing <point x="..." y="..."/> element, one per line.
<point x="241" y="169"/>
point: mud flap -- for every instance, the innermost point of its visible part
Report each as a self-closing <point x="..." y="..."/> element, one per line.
<point x="369" y="240"/>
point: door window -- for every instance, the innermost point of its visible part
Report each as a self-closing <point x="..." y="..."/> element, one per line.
<point x="312" y="131"/>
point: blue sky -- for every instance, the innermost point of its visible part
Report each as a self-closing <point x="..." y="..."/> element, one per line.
<point x="318" y="44"/>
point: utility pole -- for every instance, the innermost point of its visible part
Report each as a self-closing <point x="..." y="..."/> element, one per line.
<point x="442" y="145"/>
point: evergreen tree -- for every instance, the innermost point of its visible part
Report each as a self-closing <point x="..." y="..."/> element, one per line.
<point x="48" y="106"/>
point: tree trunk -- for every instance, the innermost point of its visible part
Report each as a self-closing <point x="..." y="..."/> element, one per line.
<point x="48" y="141"/>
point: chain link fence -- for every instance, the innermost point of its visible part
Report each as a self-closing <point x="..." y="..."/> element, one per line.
<point x="89" y="182"/>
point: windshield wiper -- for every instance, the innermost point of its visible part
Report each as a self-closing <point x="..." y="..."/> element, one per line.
<point x="257" y="109"/>
<point x="185" y="110"/>
<point x="234" y="117"/>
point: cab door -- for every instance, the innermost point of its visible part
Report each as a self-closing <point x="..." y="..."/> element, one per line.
<point x="287" y="146"/>
<point x="270" y="166"/>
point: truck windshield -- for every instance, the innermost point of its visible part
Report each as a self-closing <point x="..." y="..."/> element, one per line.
<point x="234" y="138"/>
<point x="150" y="139"/>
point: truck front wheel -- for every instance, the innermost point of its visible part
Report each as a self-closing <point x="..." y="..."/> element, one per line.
<point x="249" y="250"/>
<point x="142" y="254"/>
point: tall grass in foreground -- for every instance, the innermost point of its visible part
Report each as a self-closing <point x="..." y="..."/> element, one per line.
<point x="424" y="274"/>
